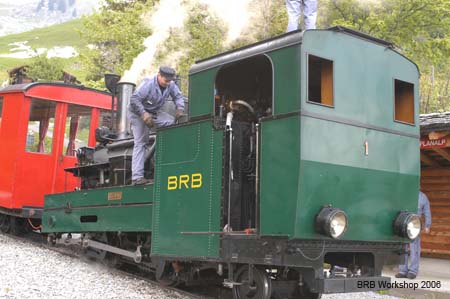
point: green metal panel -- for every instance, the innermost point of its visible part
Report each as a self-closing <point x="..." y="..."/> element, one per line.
<point x="364" y="74"/>
<point x="335" y="168"/>
<point x="371" y="189"/>
<point x="183" y="210"/>
<point x="279" y="175"/>
<point x="370" y="198"/>
<point x="330" y="142"/>
<point x="111" y="206"/>
<point x="286" y="66"/>
<point x="201" y="93"/>
<point x="329" y="164"/>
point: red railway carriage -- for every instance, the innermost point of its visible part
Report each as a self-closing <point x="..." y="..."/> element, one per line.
<point x="41" y="126"/>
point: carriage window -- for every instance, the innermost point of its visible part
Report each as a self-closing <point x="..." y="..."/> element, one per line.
<point x="1" y="110"/>
<point x="40" y="126"/>
<point x="320" y="80"/>
<point x="78" y="122"/>
<point x="404" y="101"/>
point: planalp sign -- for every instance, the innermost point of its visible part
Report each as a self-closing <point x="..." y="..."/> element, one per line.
<point x="434" y="143"/>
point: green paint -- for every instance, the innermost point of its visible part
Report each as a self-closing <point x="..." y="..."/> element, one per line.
<point x="190" y="149"/>
<point x="364" y="74"/>
<point x="319" y="157"/>
<point x="370" y="198"/>
<point x="280" y="152"/>
<point x="344" y="144"/>
<point x="201" y="93"/>
<point x="286" y="66"/>
<point x="131" y="213"/>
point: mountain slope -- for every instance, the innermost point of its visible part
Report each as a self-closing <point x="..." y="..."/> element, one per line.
<point x="25" y="15"/>
<point x="15" y="48"/>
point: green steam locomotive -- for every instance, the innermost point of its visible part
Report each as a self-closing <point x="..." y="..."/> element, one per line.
<point x="296" y="172"/>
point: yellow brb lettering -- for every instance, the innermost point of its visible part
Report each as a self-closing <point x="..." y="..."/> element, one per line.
<point x="174" y="182"/>
<point x="184" y="180"/>
<point x="196" y="181"/>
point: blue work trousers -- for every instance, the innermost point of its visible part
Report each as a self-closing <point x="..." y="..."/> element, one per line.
<point x="141" y="139"/>
<point x="294" y="9"/>
<point x="411" y="264"/>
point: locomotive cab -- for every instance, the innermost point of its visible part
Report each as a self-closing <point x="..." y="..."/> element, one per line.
<point x="243" y="96"/>
<point x="307" y="167"/>
<point x="245" y="87"/>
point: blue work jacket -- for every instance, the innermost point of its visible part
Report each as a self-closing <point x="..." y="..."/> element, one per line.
<point x="424" y="209"/>
<point x="148" y="96"/>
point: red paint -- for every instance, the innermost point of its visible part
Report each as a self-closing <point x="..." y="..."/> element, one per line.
<point x="26" y="176"/>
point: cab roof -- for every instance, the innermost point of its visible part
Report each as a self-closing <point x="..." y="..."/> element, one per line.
<point x="278" y="42"/>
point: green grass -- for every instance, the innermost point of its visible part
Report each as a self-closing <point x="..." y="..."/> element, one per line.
<point x="64" y="34"/>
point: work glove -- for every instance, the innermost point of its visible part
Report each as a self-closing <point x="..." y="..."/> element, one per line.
<point x="148" y="119"/>
<point x="178" y="114"/>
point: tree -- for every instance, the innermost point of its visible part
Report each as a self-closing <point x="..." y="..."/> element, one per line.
<point x="43" y="68"/>
<point x="200" y="38"/>
<point x="115" y="34"/>
<point x="268" y="19"/>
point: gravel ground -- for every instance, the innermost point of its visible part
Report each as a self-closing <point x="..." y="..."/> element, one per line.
<point x="367" y="295"/>
<point x="29" y="271"/>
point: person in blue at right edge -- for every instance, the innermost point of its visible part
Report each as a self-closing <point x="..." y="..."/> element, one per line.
<point x="414" y="254"/>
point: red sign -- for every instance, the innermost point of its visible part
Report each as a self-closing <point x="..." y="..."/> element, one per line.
<point x="435" y="143"/>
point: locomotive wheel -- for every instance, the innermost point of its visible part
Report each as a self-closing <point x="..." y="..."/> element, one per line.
<point x="95" y="253"/>
<point x="304" y="293"/>
<point x="165" y="274"/>
<point x="111" y="259"/>
<point x="5" y="223"/>
<point x="259" y="288"/>
<point x="51" y="239"/>
<point x="19" y="226"/>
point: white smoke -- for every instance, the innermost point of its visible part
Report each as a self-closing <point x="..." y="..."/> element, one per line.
<point x="234" y="13"/>
<point x="171" y="15"/>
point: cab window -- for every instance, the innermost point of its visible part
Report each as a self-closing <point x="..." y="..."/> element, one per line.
<point x="320" y="81"/>
<point x="40" y="126"/>
<point x="404" y="101"/>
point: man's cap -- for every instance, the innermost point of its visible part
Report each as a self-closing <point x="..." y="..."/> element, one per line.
<point x="167" y="72"/>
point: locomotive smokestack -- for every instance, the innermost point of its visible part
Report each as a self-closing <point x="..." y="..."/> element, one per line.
<point x="124" y="91"/>
<point x="111" y="83"/>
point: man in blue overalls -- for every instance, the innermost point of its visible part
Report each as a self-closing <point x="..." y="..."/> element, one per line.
<point x="414" y="253"/>
<point x="294" y="9"/>
<point x="145" y="113"/>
